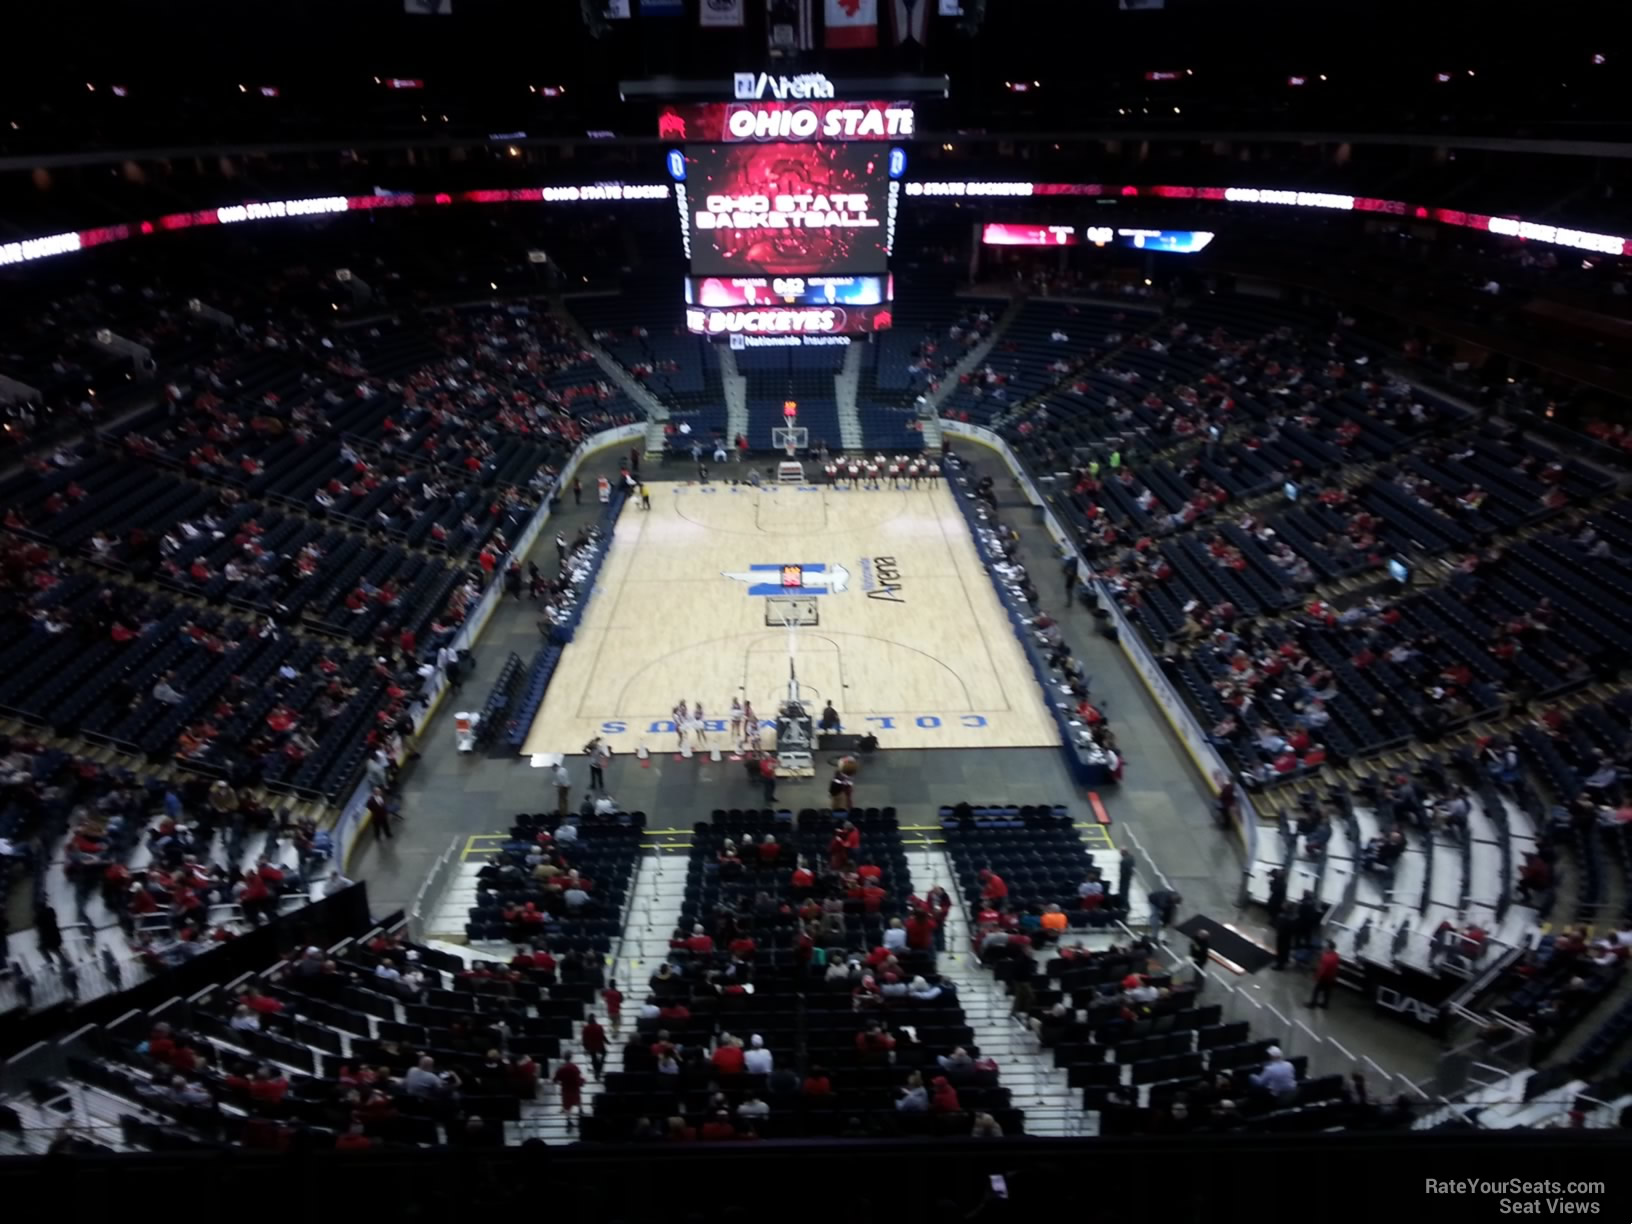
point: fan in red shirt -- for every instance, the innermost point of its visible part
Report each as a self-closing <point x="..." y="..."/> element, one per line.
<point x="160" y="1045"/>
<point x="268" y="1087"/>
<point x="266" y="1005"/>
<point x="699" y="942"/>
<point x="612" y="999"/>
<point x="593" y="1040"/>
<point x="719" y="1127"/>
<point x="873" y="1042"/>
<point x="993" y="887"/>
<point x="353" y="1140"/>
<point x="727" y="1058"/>
<point x="920" y="932"/>
<point x="1325" y="977"/>
<point x="569" y="1078"/>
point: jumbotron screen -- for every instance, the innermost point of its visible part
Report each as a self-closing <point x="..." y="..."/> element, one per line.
<point x="788" y="209"/>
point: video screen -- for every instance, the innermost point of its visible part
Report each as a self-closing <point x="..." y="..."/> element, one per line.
<point x="777" y="320"/>
<point x="1000" y="234"/>
<point x="789" y="290"/>
<point x="787" y="209"/>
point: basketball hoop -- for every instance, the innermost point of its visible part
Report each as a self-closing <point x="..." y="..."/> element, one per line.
<point x="790" y="438"/>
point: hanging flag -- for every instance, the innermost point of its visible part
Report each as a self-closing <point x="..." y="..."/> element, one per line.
<point x="1131" y="6"/>
<point x="851" y="24"/>
<point x="789" y="25"/>
<point x="662" y="8"/>
<point x="909" y="21"/>
<point x="617" y="10"/>
<point x="951" y="8"/>
<point x="721" y="14"/>
<point x="433" y="8"/>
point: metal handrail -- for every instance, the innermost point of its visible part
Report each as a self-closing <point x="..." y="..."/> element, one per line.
<point x="429" y="896"/>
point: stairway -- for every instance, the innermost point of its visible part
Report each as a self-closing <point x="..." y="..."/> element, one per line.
<point x="1035" y="1085"/>
<point x="845" y="384"/>
<point x="736" y="398"/>
<point x="654" y="909"/>
<point x="656" y="410"/>
<point x="969" y="361"/>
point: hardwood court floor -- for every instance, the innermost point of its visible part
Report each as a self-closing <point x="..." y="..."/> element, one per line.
<point x="911" y="641"/>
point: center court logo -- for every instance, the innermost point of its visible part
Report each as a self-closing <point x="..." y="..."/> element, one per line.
<point x="791" y="579"/>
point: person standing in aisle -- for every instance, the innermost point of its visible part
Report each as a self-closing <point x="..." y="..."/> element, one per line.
<point x="767" y="776"/>
<point x="570" y="1079"/>
<point x="736" y="721"/>
<point x="599" y="753"/>
<point x="841" y="789"/>
<point x="577" y="491"/>
<point x="1325" y="976"/>
<point x="1164" y="903"/>
<point x="447" y="658"/>
<point x="1124" y="879"/>
<point x="594" y="1043"/>
<point x="634" y="460"/>
<point x="563" y="788"/>
<point x="645" y="497"/>
<point x="1201" y="949"/>
<point x="379" y="814"/>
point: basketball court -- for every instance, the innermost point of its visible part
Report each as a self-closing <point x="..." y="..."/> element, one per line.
<point x="876" y="598"/>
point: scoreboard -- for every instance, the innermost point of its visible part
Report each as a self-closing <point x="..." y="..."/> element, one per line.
<point x="787" y="208"/>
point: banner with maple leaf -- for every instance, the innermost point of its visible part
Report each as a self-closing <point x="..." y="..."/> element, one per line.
<point x="851" y="24"/>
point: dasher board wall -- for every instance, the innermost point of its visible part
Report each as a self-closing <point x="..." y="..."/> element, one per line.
<point x="897" y="623"/>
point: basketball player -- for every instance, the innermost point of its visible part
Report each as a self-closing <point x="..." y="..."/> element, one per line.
<point x="736" y="720"/>
<point x="750" y="725"/>
<point x="680" y="721"/>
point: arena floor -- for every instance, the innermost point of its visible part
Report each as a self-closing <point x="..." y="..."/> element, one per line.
<point x="901" y="628"/>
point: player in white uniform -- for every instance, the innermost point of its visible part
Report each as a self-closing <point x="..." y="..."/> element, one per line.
<point x="681" y="722"/>
<point x="736" y="720"/>
<point x="750" y="724"/>
<point x="699" y="729"/>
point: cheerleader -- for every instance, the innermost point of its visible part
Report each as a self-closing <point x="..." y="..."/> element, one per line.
<point x="699" y="729"/>
<point x="750" y="725"/>
<point x="680" y="721"/>
<point x="736" y="720"/>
